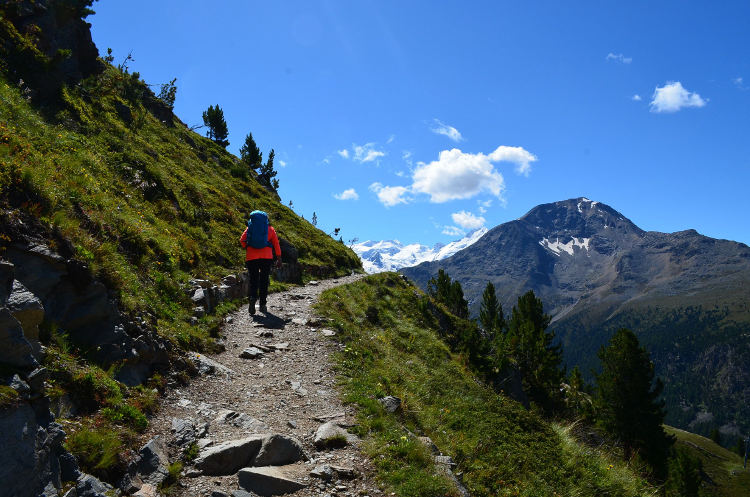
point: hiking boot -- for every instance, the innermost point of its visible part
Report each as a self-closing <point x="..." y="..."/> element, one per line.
<point x="263" y="308"/>
<point x="251" y="307"/>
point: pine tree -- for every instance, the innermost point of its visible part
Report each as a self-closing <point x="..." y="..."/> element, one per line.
<point x="314" y="220"/>
<point x="250" y="154"/>
<point x="439" y="287"/>
<point x="266" y="173"/>
<point x="530" y="345"/>
<point x="456" y="301"/>
<point x="627" y="401"/>
<point x="213" y="119"/>
<point x="491" y="313"/>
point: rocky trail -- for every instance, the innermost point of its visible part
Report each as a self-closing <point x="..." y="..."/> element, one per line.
<point x="265" y="414"/>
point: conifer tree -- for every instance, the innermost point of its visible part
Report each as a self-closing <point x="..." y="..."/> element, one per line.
<point x="314" y="220"/>
<point x="266" y="174"/>
<point x="250" y="154"/>
<point x="491" y="312"/>
<point x="439" y="287"/>
<point x="627" y="401"/>
<point x="530" y="345"/>
<point x="213" y="119"/>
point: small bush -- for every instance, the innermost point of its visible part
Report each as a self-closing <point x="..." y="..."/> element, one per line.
<point x="8" y="396"/>
<point x="96" y="450"/>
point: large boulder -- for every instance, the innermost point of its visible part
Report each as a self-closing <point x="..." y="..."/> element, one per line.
<point x="278" y="450"/>
<point x="28" y="310"/>
<point x="228" y="457"/>
<point x="7" y="273"/>
<point x="330" y="435"/>
<point x="268" y="481"/>
<point x="31" y="446"/>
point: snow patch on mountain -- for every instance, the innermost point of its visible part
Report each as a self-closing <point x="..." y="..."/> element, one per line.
<point x="391" y="255"/>
<point x="558" y="247"/>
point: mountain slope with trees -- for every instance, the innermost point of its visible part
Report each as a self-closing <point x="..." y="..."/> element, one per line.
<point x="685" y="295"/>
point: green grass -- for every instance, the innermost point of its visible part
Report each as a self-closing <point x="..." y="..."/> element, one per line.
<point x="500" y="448"/>
<point x="97" y="450"/>
<point x="723" y="467"/>
<point x="8" y="396"/>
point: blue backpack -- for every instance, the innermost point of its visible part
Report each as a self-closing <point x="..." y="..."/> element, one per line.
<point x="257" y="230"/>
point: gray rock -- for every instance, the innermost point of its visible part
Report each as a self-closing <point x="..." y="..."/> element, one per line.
<point x="323" y="471"/>
<point x="328" y="333"/>
<point x="427" y="442"/>
<point x="219" y="493"/>
<point x="390" y="403"/>
<point x="90" y="486"/>
<point x="241" y="420"/>
<point x="251" y="353"/>
<point x="152" y="465"/>
<point x="37" y="378"/>
<point x="268" y="481"/>
<point x="344" y="473"/>
<point x="186" y="431"/>
<point x="206" y="365"/>
<point x="15" y="350"/>
<point x="280" y="346"/>
<point x="27" y="309"/>
<point x="228" y="457"/>
<point x="278" y="450"/>
<point x="444" y="461"/>
<point x="20" y="386"/>
<point x="199" y="311"/>
<point x="331" y="435"/>
<point x="242" y="493"/>
<point x="147" y="490"/>
<point x="68" y="467"/>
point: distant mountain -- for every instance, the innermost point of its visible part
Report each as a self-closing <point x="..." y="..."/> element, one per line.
<point x="390" y="255"/>
<point x="687" y="296"/>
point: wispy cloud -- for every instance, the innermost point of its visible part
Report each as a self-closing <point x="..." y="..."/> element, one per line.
<point x="366" y="153"/>
<point x="673" y="96"/>
<point x="343" y="153"/>
<point x="467" y="220"/>
<point x="390" y="139"/>
<point x="282" y="163"/>
<point x="390" y="195"/>
<point x="618" y="57"/>
<point x="636" y="98"/>
<point x="441" y="128"/>
<point x="453" y="231"/>
<point x="349" y="194"/>
<point x="484" y="205"/>
<point x="739" y="82"/>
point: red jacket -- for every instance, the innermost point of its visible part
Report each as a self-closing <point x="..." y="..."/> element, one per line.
<point x="261" y="253"/>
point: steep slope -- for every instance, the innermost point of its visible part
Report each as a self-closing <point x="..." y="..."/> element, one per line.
<point x="390" y="345"/>
<point x="684" y="294"/>
<point x="390" y="255"/>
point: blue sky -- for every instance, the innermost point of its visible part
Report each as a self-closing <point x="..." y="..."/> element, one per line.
<point x="419" y="121"/>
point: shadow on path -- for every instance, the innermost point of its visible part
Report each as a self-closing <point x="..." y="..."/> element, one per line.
<point x="269" y="320"/>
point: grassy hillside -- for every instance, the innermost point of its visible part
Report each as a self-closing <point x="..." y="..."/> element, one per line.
<point x="147" y="204"/>
<point x="724" y="474"/>
<point x="391" y="346"/>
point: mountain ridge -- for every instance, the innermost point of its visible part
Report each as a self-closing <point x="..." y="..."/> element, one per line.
<point x="595" y="271"/>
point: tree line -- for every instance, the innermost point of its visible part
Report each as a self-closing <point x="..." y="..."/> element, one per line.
<point x="519" y="349"/>
<point x="250" y="154"/>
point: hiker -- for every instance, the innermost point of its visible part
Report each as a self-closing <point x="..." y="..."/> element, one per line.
<point x="261" y="249"/>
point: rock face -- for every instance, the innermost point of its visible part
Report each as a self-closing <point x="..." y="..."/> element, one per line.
<point x="596" y="271"/>
<point x="150" y="467"/>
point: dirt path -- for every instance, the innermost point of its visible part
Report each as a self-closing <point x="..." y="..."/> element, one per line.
<point x="290" y="391"/>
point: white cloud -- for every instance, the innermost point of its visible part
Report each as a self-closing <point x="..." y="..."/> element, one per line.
<point x="636" y="98"/>
<point x="467" y="220"/>
<point x="390" y="139"/>
<point x="366" y="153"/>
<point x="449" y="131"/>
<point x="326" y="161"/>
<point x="343" y="153"/>
<point x="673" y="96"/>
<point x="483" y="206"/>
<point x="456" y="175"/>
<point x="349" y="194"/>
<point x="282" y="163"/>
<point x="453" y="231"/>
<point x="517" y="155"/>
<point x="390" y="195"/>
<point x="619" y="58"/>
<point x="739" y="82"/>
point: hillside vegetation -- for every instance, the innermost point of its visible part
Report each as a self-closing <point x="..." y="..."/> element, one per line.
<point x="392" y="346"/>
<point x="146" y="204"/>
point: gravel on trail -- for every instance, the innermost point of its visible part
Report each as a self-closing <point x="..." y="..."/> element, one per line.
<point x="283" y="384"/>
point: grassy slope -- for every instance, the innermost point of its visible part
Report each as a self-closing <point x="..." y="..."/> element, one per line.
<point x="146" y="205"/>
<point x="393" y="348"/>
<point x="723" y="467"/>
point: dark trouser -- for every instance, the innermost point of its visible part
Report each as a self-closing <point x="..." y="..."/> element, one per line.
<point x="258" y="271"/>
